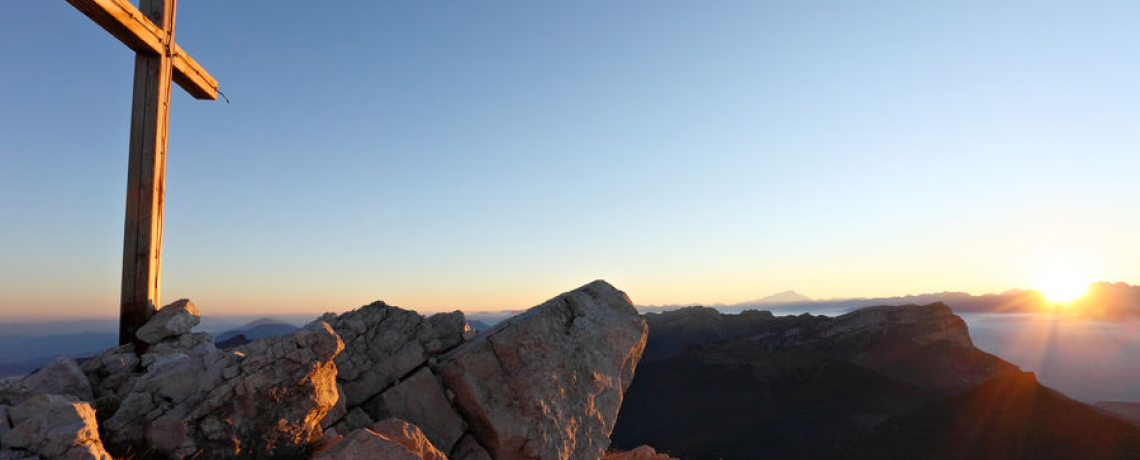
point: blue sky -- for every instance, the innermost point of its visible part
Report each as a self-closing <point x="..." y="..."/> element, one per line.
<point x="491" y="154"/>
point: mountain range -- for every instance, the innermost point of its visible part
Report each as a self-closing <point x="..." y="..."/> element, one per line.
<point x="1104" y="300"/>
<point x="880" y="382"/>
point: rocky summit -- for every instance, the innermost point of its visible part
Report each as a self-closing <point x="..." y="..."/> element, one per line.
<point x="376" y="382"/>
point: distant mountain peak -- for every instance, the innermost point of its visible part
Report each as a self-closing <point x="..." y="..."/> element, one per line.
<point x="784" y="297"/>
<point x="266" y="321"/>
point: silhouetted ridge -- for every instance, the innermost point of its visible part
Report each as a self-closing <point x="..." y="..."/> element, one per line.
<point x="758" y="386"/>
<point x="1008" y="418"/>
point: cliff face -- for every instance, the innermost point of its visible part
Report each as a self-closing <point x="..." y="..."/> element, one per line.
<point x="801" y="387"/>
<point x="378" y="380"/>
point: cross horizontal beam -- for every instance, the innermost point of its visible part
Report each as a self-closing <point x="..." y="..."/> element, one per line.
<point x="134" y="29"/>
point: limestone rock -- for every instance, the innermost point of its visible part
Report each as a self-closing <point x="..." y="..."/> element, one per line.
<point x="409" y="436"/>
<point x="421" y="398"/>
<point x="61" y="377"/>
<point x="199" y="343"/>
<point x="548" y="383"/>
<point x="55" y="427"/>
<point x="385" y="343"/>
<point x="390" y="439"/>
<point x="113" y="361"/>
<point x="266" y="398"/>
<point x="172" y="320"/>
<point x="445" y="331"/>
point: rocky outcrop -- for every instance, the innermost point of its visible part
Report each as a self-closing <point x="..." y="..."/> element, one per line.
<point x="184" y="397"/>
<point x="51" y="427"/>
<point x="376" y="382"/>
<point x="385" y="343"/>
<point x="548" y="383"/>
<point x="384" y="370"/>
<point x="545" y="384"/>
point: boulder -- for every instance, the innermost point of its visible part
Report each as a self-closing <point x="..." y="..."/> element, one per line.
<point x="421" y="398"/>
<point x="548" y="383"/>
<point x="61" y="377"/>
<point x="54" y="427"/>
<point x="172" y="320"/>
<point x="409" y="436"/>
<point x="266" y="398"/>
<point x="390" y="439"/>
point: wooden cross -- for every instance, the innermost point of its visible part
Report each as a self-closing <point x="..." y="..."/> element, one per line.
<point x="149" y="30"/>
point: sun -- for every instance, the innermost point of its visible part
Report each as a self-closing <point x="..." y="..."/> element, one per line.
<point x="1062" y="286"/>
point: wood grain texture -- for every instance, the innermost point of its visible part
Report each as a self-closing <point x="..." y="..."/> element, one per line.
<point x="146" y="181"/>
<point x="132" y="27"/>
<point x="159" y="62"/>
<point x="192" y="77"/>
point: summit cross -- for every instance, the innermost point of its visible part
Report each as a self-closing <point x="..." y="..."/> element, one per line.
<point x="149" y="30"/>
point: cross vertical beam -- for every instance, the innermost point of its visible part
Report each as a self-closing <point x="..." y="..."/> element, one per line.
<point x="146" y="176"/>
<point x="149" y="30"/>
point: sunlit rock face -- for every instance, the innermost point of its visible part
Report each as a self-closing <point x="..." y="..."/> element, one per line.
<point x="376" y="382"/>
<point x="186" y="398"/>
<point x="50" y="427"/>
<point x="547" y="384"/>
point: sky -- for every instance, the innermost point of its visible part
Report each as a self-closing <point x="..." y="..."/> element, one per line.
<point x="491" y="154"/>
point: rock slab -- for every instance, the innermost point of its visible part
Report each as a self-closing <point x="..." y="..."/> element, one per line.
<point x="547" y="384"/>
<point x="175" y="319"/>
<point x="390" y="439"/>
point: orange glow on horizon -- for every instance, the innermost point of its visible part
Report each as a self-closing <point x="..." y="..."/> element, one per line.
<point x="1060" y="286"/>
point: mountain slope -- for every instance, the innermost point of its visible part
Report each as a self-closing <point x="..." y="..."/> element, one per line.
<point x="753" y="385"/>
<point x="1008" y="418"/>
